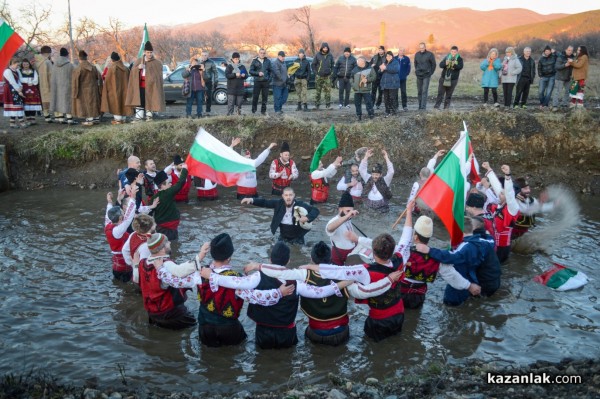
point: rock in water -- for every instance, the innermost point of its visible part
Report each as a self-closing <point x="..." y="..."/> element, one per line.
<point x="336" y="394"/>
<point x="372" y="381"/>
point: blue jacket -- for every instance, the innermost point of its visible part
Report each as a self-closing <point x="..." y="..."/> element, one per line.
<point x="490" y="77"/>
<point x="404" y="67"/>
<point x="390" y="78"/>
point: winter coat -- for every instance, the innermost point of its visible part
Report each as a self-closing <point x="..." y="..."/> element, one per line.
<point x="210" y="72"/>
<point x="357" y="73"/>
<point x="390" y="78"/>
<point x="404" y="67"/>
<point x="490" y="76"/>
<point x="155" y="95"/>
<point x="114" y="91"/>
<point x="424" y="64"/>
<point x="454" y="70"/>
<point x="235" y="85"/>
<point x="60" y="86"/>
<point x="546" y="66"/>
<point x="266" y="67"/>
<point x="280" y="73"/>
<point x="304" y="71"/>
<point x="196" y="81"/>
<point x="580" y="68"/>
<point x="344" y="66"/>
<point x="322" y="64"/>
<point x="44" y="68"/>
<point x="528" y="68"/>
<point x="563" y="72"/>
<point x="514" y="69"/>
<point x="376" y="61"/>
<point x="87" y="86"/>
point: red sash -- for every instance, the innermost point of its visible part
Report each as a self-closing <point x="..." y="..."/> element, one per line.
<point x="172" y="225"/>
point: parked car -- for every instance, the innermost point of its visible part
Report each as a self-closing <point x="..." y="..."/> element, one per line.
<point x="174" y="82"/>
<point x="289" y="61"/>
<point x="166" y="71"/>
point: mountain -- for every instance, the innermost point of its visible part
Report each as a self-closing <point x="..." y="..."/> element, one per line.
<point x="576" y="25"/>
<point x="360" y="25"/>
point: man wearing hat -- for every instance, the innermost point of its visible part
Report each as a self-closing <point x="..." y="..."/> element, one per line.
<point x="337" y="227"/>
<point x="114" y="91"/>
<point x="61" y="83"/>
<point x="247" y="183"/>
<point x="261" y="69"/>
<point x="301" y="76"/>
<point x="166" y="213"/>
<point x="165" y="304"/>
<point x="376" y="191"/>
<point x="115" y="228"/>
<point x="343" y="71"/>
<point x="280" y="82"/>
<point x="319" y="181"/>
<point x="145" y="87"/>
<point x="43" y="64"/>
<point x="291" y="227"/>
<point x="283" y="170"/>
<point x="87" y="86"/>
<point x="183" y="194"/>
<point x="375" y="63"/>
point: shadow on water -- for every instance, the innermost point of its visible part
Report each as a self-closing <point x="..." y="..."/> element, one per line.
<point x="60" y="309"/>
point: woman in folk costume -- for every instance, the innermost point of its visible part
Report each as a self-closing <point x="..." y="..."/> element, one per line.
<point x="14" y="99"/>
<point x="87" y="86"/>
<point x="145" y="88"/>
<point x="33" y="101"/>
<point x="580" y="71"/>
<point x="114" y="90"/>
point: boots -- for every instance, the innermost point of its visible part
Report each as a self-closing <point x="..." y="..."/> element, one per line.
<point x="299" y="107"/>
<point x="305" y="107"/>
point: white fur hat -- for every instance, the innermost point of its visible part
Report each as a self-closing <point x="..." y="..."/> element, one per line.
<point x="424" y="226"/>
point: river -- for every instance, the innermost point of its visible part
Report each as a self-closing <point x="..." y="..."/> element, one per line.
<point x="60" y="310"/>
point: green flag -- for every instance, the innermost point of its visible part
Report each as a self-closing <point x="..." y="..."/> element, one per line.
<point x="328" y="143"/>
<point x="145" y="38"/>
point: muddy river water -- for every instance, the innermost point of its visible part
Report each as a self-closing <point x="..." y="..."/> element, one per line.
<point x="61" y="311"/>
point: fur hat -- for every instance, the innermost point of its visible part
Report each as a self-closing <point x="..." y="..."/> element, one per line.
<point x="160" y="178"/>
<point x="115" y="56"/>
<point x="347" y="50"/>
<point x="45" y="50"/>
<point x="424" y="226"/>
<point x="148" y="46"/>
<point x="377" y="168"/>
<point x="346" y="200"/>
<point x="280" y="254"/>
<point x="221" y="247"/>
<point x="281" y="54"/>
<point x="64" y="52"/>
<point x="321" y="253"/>
<point x="475" y="200"/>
<point x="285" y="147"/>
<point x="235" y="55"/>
<point x="156" y="241"/>
<point x="82" y="55"/>
<point x="177" y="160"/>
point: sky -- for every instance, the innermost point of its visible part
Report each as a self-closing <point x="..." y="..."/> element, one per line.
<point x="158" y="12"/>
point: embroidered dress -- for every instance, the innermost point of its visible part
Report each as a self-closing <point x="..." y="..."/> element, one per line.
<point x="31" y="90"/>
<point x="13" y="102"/>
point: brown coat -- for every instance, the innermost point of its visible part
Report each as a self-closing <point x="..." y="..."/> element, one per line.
<point x="580" y="68"/>
<point x="44" y="68"/>
<point x="61" y="98"/>
<point x="114" y="91"/>
<point x="87" y="85"/>
<point x="155" y="96"/>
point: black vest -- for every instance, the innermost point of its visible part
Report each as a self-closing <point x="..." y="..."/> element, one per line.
<point x="281" y="314"/>
<point x="324" y="309"/>
<point x="391" y="296"/>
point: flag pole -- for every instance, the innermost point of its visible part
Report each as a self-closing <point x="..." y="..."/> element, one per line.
<point x="71" y="31"/>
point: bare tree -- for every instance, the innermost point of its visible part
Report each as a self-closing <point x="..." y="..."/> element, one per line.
<point x="214" y="42"/>
<point x="302" y="16"/>
<point x="259" y="33"/>
<point x="34" y="23"/>
<point x="117" y="38"/>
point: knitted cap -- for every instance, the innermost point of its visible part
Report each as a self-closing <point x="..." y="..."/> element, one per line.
<point x="280" y="254"/>
<point x="156" y="241"/>
<point x="301" y="51"/>
<point x="424" y="226"/>
<point x="235" y="55"/>
<point x="281" y="54"/>
<point x="221" y="247"/>
<point x="347" y="50"/>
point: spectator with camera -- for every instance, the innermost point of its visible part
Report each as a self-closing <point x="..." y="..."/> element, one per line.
<point x="194" y="87"/>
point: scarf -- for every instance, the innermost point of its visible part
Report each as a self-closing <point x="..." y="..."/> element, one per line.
<point x="382" y="187"/>
<point x="490" y="64"/>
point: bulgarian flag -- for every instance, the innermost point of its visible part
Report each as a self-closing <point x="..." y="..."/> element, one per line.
<point x="445" y="190"/>
<point x="211" y="159"/>
<point x="474" y="171"/>
<point x="145" y="38"/>
<point x="561" y="278"/>
<point x="328" y="143"/>
<point x="10" y="42"/>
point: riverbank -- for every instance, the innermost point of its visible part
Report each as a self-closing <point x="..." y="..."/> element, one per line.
<point x="550" y="147"/>
<point x="464" y="381"/>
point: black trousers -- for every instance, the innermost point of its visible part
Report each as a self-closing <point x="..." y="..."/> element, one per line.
<point x="215" y="335"/>
<point x="390" y="96"/>
<point x="486" y="91"/>
<point x="523" y="86"/>
<point x="344" y="91"/>
<point x="376" y="92"/>
<point x="208" y="92"/>
<point x="378" y="330"/>
<point x="260" y="88"/>
<point x="403" y="93"/>
<point x="275" y="338"/>
<point x="507" y="89"/>
<point x="175" y="319"/>
<point x="445" y="93"/>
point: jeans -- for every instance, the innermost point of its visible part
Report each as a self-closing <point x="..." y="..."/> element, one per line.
<point x="522" y="91"/>
<point x="197" y="95"/>
<point x="208" y="88"/>
<point x="280" y="96"/>
<point x="358" y="97"/>
<point x="403" y="93"/>
<point x="445" y="93"/>
<point x="560" y="96"/>
<point x="507" y="89"/>
<point x="545" y="90"/>
<point x="344" y="91"/>
<point x="422" y="91"/>
<point x="261" y="88"/>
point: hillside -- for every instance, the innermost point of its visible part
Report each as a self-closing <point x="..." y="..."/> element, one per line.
<point x="405" y="25"/>
<point x="576" y="25"/>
